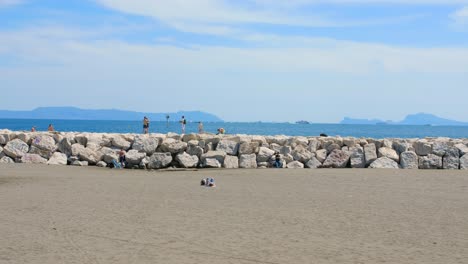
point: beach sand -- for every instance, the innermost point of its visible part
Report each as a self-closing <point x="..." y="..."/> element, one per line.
<point x="64" y="214"/>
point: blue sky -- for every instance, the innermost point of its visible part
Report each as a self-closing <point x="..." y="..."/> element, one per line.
<point x="244" y="60"/>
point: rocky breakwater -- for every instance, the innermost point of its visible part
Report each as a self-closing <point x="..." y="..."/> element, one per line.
<point x="158" y="151"/>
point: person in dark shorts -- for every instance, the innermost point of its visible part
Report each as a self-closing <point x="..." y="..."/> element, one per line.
<point x="183" y="122"/>
<point x="146" y="123"/>
<point x="122" y="158"/>
<point x="278" y="164"/>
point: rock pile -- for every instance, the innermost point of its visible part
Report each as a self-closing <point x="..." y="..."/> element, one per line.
<point x="157" y="151"/>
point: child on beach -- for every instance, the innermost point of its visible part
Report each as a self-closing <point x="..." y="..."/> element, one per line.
<point x="208" y="182"/>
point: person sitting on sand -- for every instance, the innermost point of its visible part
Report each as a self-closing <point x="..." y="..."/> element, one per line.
<point x="208" y="182"/>
<point x="221" y="131"/>
<point x="50" y="128"/>
<point x="122" y="159"/>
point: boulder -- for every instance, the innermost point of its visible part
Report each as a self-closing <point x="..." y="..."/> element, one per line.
<point x="81" y="139"/>
<point x="45" y="143"/>
<point x="280" y="140"/>
<point x="370" y="153"/>
<point x="101" y="164"/>
<point x="464" y="162"/>
<point x="108" y="154"/>
<point x="79" y="163"/>
<point x="357" y="158"/>
<point x="6" y="159"/>
<point x="218" y="155"/>
<point x="299" y="140"/>
<point x="231" y="162"/>
<point x="295" y="165"/>
<point x="72" y="159"/>
<point x="195" y="150"/>
<point x="89" y="155"/>
<point x="321" y="155"/>
<point x="189" y="137"/>
<point x="401" y="146"/>
<point x="173" y="146"/>
<point x="58" y="159"/>
<point x="33" y="158"/>
<point x="409" y="160"/>
<point x="248" y="161"/>
<point x="133" y="157"/>
<point x="430" y="161"/>
<point x="145" y="144"/>
<point x="249" y="148"/>
<point x="159" y="160"/>
<point x="285" y="150"/>
<point x="186" y="160"/>
<point x="76" y="149"/>
<point x="65" y="146"/>
<point x="336" y="159"/>
<point x="389" y="153"/>
<point x="16" y="148"/>
<point x="332" y="147"/>
<point x="120" y="142"/>
<point x="264" y="154"/>
<point x="211" y="163"/>
<point x="46" y="154"/>
<point x="439" y="148"/>
<point x="387" y="143"/>
<point x="313" y="163"/>
<point x="25" y="137"/>
<point x="228" y="146"/>
<point x="349" y="142"/>
<point x="422" y="147"/>
<point x="314" y="145"/>
<point x="462" y="148"/>
<point x="451" y="159"/>
<point x="1" y="152"/>
<point x="384" y="163"/>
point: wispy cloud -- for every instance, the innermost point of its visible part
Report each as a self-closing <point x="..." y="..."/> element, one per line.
<point x="460" y="18"/>
<point x="6" y="3"/>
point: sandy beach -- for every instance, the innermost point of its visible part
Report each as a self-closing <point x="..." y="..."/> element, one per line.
<point x="53" y="214"/>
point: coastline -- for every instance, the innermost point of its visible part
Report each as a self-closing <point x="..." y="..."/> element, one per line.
<point x="159" y="151"/>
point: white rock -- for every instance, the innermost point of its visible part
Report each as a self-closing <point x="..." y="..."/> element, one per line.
<point x="16" y="148"/>
<point x="119" y="142"/>
<point x="228" y="146"/>
<point x="357" y="157"/>
<point x="65" y="146"/>
<point x="89" y="155"/>
<point x="430" y="161"/>
<point x="389" y="153"/>
<point x="218" y="155"/>
<point x="464" y="162"/>
<point x="79" y="163"/>
<point x="101" y="164"/>
<point x="321" y="155"/>
<point x="173" y="146"/>
<point x="58" y="159"/>
<point x="462" y="148"/>
<point x="295" y="165"/>
<point x="384" y="163"/>
<point x="313" y="163"/>
<point x="422" y="147"/>
<point x="211" y="163"/>
<point x="302" y="154"/>
<point x="6" y="159"/>
<point x="195" y="150"/>
<point x="451" y="159"/>
<point x="336" y="159"/>
<point x="108" y="154"/>
<point x="145" y="144"/>
<point x="409" y="160"/>
<point x="249" y="148"/>
<point x="25" y="137"/>
<point x="186" y="160"/>
<point x="77" y="148"/>
<point x="231" y="162"/>
<point x="133" y="157"/>
<point x="248" y="161"/>
<point x="370" y="153"/>
<point x="264" y="154"/>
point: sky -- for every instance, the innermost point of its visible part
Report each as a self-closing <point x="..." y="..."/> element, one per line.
<point x="243" y="60"/>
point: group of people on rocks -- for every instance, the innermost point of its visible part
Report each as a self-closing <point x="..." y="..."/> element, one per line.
<point x="183" y="123"/>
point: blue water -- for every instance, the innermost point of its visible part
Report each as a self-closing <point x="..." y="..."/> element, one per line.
<point x="373" y="131"/>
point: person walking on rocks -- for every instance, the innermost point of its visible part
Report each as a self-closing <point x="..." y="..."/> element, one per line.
<point x="183" y="122"/>
<point x="146" y="124"/>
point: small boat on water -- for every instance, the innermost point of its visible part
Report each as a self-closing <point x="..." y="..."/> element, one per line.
<point x="303" y="122"/>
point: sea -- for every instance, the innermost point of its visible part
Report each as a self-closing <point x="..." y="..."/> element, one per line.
<point x="257" y="128"/>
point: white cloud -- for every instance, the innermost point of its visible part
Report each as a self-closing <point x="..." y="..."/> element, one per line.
<point x="460" y="18"/>
<point x="6" y="3"/>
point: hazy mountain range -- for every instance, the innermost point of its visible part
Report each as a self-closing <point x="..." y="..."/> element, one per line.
<point x="414" y="119"/>
<point x="75" y="113"/>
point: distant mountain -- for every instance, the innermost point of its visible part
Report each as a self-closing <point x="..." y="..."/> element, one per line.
<point x="415" y="119"/>
<point x="75" y="113"/>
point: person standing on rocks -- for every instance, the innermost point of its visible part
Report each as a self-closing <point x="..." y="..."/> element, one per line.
<point x="183" y="122"/>
<point x="33" y="129"/>
<point x="200" y="128"/>
<point x="146" y="124"/>
<point x="50" y="128"/>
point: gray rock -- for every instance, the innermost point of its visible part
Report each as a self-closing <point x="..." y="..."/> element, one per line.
<point x="231" y="162"/>
<point x="440" y="148"/>
<point x="173" y="146"/>
<point x="218" y="155"/>
<point x="45" y="143"/>
<point x="430" y="161"/>
<point x="464" y="162"/>
<point x="280" y="140"/>
<point x="145" y="144"/>
<point x="451" y="159"/>
<point x="186" y="160"/>
<point x="301" y="154"/>
<point x="6" y="159"/>
<point x="195" y="150"/>
<point x="16" y="148"/>
<point x="46" y="154"/>
<point x="384" y="163"/>
<point x="249" y="148"/>
<point x="401" y="147"/>
<point x="357" y="158"/>
<point x="264" y="154"/>
<point x="462" y="148"/>
<point x="336" y="159"/>
<point x="108" y="154"/>
<point x="33" y="159"/>
<point x="295" y="165"/>
<point x="72" y="159"/>
<point x="133" y="157"/>
<point x="101" y="164"/>
<point x="248" y="161"/>
<point x="228" y="146"/>
<point x="77" y="148"/>
<point x="409" y="160"/>
<point x="389" y="153"/>
<point x="332" y="147"/>
<point x="386" y="143"/>
<point x="314" y="145"/>
<point x="370" y="153"/>
<point x="65" y="145"/>
<point x="422" y="147"/>
<point x="81" y="139"/>
<point x="58" y="159"/>
<point x="349" y="142"/>
<point x="159" y="160"/>
<point x="189" y="137"/>
<point x="321" y="155"/>
<point x="313" y="163"/>
<point x="211" y="163"/>
<point x="89" y="155"/>
<point x="25" y="137"/>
